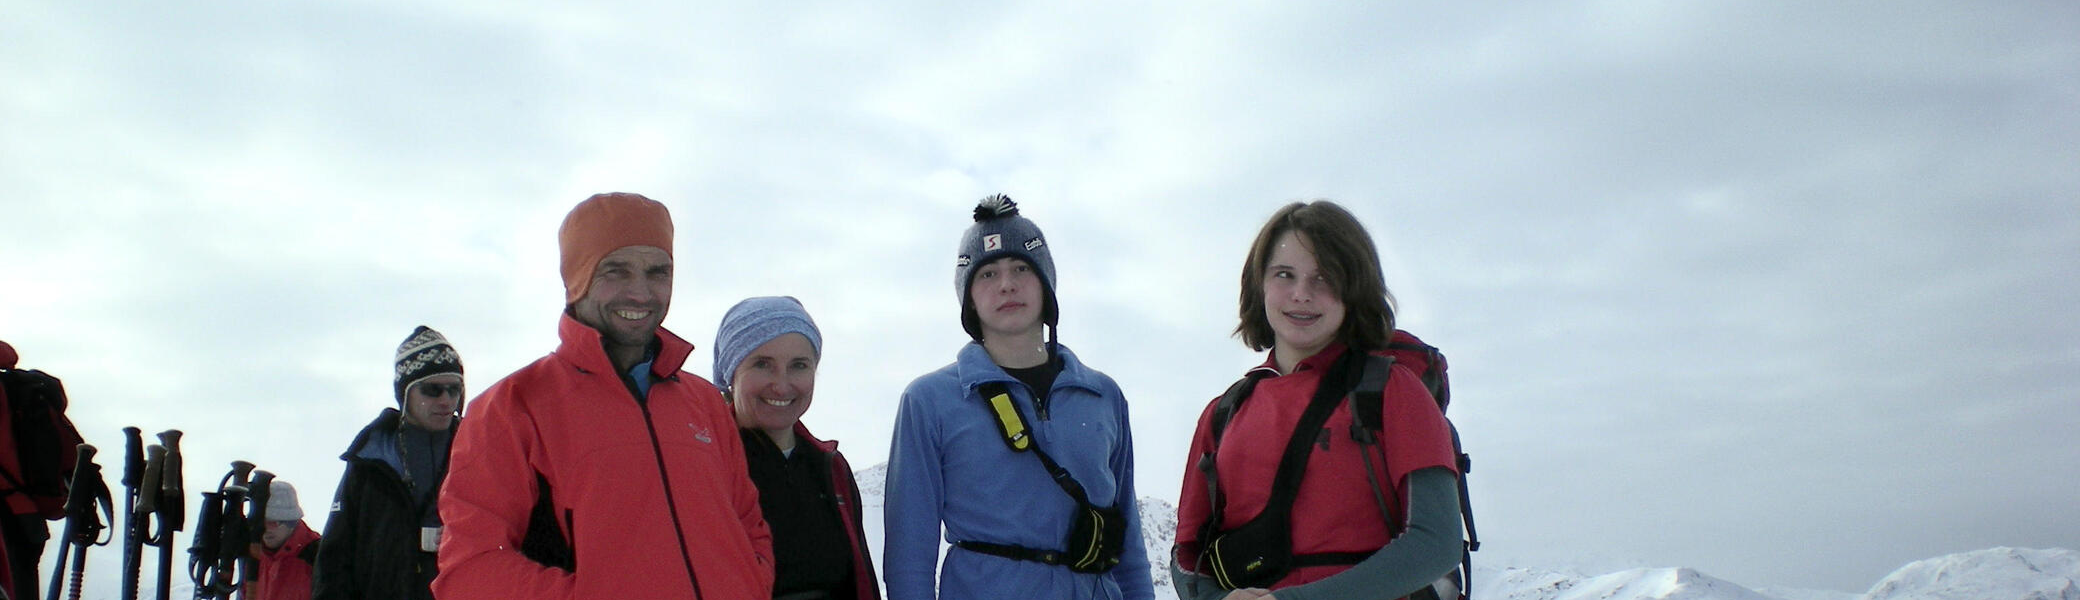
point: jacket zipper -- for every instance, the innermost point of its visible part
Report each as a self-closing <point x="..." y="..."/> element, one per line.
<point x="671" y="505"/>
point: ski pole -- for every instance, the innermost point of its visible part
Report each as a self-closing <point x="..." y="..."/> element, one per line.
<point x="133" y="531"/>
<point x="148" y="501"/>
<point x="219" y="534"/>
<point x="256" y="525"/>
<point x="82" y="528"/>
<point x="171" y="510"/>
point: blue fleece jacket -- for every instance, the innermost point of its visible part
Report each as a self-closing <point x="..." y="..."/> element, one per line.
<point x="948" y="464"/>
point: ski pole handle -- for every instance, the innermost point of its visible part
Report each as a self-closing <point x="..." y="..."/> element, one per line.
<point x="133" y="530"/>
<point x="241" y="472"/>
<point x="78" y="501"/>
<point x="133" y="457"/>
<point x="148" y="486"/>
<point x="172" y="504"/>
<point x="256" y="516"/>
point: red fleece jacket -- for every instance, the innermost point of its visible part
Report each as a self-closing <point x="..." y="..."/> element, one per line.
<point x="652" y="495"/>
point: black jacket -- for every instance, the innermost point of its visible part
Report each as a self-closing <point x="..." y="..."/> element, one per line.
<point x="370" y="549"/>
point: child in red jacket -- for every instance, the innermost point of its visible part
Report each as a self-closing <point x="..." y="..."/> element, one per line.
<point x="286" y="549"/>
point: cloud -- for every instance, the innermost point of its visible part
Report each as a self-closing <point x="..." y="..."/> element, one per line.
<point x="1775" y="293"/>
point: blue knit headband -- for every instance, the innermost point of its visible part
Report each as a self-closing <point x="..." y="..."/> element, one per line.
<point x="754" y="322"/>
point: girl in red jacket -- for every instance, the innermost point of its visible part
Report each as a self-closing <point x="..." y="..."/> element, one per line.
<point x="1377" y="520"/>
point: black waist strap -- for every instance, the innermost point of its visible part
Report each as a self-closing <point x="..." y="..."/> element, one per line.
<point x="1047" y="557"/>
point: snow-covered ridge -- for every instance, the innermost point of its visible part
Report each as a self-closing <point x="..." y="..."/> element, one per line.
<point x="2052" y="574"/>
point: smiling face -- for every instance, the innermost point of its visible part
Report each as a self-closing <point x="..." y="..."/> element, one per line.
<point x="1006" y="293"/>
<point x="630" y="292"/>
<point x="1299" y="301"/>
<point x="431" y="403"/>
<point x="774" y="385"/>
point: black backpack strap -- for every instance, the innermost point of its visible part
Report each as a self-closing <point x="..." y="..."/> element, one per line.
<point x="1292" y="465"/>
<point x="1365" y="400"/>
<point x="1372" y="385"/>
<point x="1222" y="410"/>
<point x="1473" y="539"/>
<point x="1231" y="400"/>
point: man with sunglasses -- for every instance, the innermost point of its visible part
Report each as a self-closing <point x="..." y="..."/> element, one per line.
<point x="380" y="540"/>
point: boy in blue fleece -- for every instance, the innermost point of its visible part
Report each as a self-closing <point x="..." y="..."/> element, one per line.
<point x="950" y="463"/>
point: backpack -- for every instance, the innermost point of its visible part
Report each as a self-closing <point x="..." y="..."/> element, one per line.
<point x="1268" y="541"/>
<point x="41" y="442"/>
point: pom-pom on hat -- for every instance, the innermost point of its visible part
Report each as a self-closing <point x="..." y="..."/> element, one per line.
<point x="605" y="223"/>
<point x="754" y="322"/>
<point x="998" y="232"/>
<point x="281" y="502"/>
<point x="424" y="354"/>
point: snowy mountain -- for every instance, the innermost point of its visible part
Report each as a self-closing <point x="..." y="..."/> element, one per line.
<point x="2052" y="574"/>
<point x="1995" y="574"/>
<point x="1632" y="584"/>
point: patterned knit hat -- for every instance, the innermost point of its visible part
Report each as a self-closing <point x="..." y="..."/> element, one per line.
<point x="754" y="322"/>
<point x="425" y="354"/>
<point x="605" y="223"/>
<point x="999" y="232"/>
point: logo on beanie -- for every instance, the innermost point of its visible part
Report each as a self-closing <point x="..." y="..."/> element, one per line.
<point x="992" y="242"/>
<point x="1034" y="243"/>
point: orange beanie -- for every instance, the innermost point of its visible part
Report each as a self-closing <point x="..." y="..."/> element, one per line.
<point x="605" y="223"/>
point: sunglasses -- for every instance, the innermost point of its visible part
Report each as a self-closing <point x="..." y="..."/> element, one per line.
<point x="436" y="390"/>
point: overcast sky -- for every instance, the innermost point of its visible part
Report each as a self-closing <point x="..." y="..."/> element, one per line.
<point x="1779" y="291"/>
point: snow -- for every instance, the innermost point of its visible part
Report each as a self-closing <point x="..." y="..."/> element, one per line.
<point x="2019" y="573"/>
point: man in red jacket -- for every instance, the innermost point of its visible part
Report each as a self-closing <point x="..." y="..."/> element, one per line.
<point x="604" y="470"/>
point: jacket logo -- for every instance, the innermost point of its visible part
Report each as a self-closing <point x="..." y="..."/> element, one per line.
<point x="701" y="433"/>
<point x="992" y="242"/>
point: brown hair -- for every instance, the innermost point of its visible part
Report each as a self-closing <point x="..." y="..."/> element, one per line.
<point x="1347" y="258"/>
